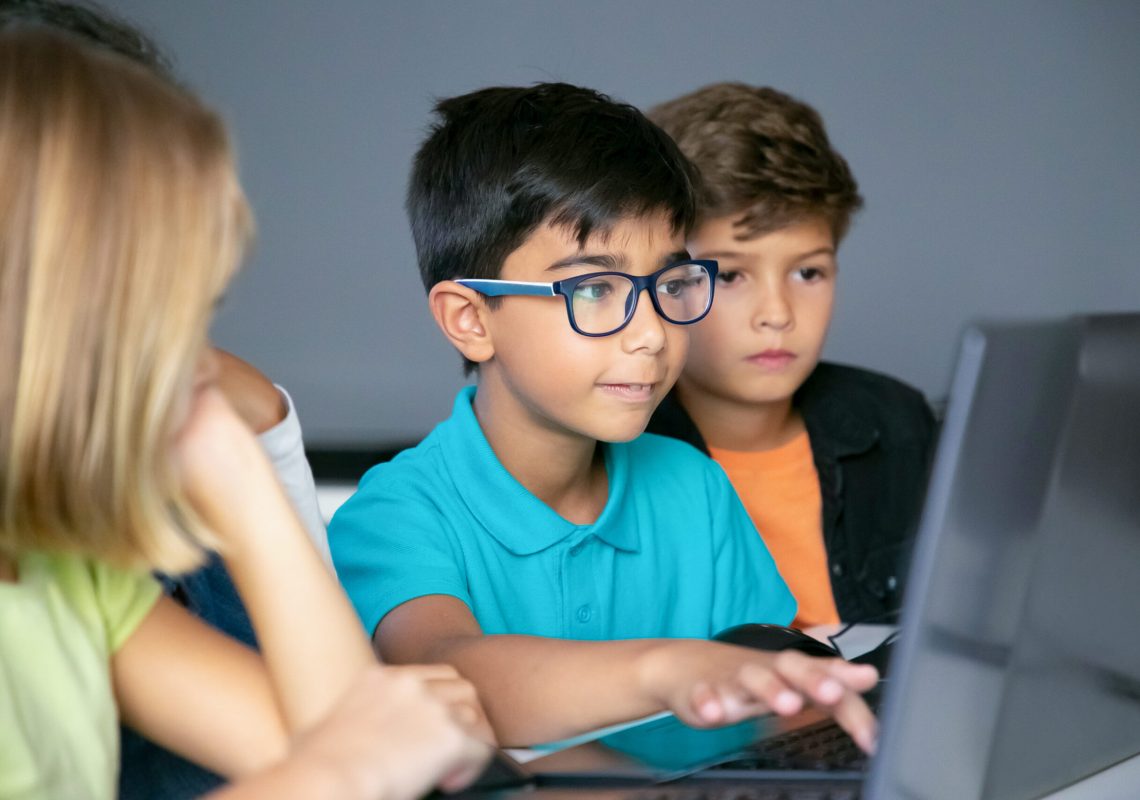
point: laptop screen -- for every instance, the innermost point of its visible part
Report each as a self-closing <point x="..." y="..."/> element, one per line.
<point x="1017" y="671"/>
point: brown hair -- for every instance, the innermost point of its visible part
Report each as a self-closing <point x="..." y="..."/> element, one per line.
<point x="761" y="154"/>
<point x="121" y="221"/>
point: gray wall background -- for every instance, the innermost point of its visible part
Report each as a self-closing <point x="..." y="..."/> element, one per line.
<point x="996" y="145"/>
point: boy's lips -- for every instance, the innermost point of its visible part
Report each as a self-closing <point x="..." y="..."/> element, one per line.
<point x="772" y="359"/>
<point x="637" y="392"/>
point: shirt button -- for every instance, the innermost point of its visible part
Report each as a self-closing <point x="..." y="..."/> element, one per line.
<point x="576" y="549"/>
<point x="584" y="613"/>
<point x="837" y="570"/>
<point x="892" y="583"/>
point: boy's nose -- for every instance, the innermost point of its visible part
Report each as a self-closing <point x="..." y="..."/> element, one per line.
<point x="646" y="330"/>
<point x="772" y="310"/>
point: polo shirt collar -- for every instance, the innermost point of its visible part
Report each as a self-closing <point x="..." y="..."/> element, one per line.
<point x="508" y="511"/>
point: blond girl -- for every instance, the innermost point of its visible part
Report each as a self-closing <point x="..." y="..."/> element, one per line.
<point x="121" y="222"/>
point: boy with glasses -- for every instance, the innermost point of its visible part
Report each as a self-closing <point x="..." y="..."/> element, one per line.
<point x="570" y="569"/>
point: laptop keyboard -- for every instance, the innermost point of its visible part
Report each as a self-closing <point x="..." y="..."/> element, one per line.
<point x="823" y="746"/>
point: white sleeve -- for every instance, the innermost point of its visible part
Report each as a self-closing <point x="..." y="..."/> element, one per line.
<point x="285" y="448"/>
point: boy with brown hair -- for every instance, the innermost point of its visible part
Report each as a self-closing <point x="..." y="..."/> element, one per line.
<point x="829" y="460"/>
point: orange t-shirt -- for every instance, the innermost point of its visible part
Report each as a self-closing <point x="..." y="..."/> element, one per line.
<point x="780" y="490"/>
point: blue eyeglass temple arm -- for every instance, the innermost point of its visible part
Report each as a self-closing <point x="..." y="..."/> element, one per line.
<point x="497" y="288"/>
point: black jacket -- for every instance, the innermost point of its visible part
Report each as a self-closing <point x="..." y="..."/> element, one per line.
<point x="872" y="438"/>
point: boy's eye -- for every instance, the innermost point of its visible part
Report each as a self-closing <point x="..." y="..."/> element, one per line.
<point x="810" y="274"/>
<point x="593" y="290"/>
<point x="728" y="277"/>
<point x="678" y="286"/>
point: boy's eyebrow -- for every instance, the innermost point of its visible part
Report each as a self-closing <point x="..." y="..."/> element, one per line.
<point x="819" y="251"/>
<point x="612" y="263"/>
<point x="606" y="261"/>
<point x="722" y="254"/>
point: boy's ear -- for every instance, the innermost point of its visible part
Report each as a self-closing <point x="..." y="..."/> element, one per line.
<point x="459" y="312"/>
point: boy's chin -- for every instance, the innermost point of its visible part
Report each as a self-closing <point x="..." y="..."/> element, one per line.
<point x="767" y="392"/>
<point x="616" y="434"/>
<point x="622" y="439"/>
<point x="620" y="424"/>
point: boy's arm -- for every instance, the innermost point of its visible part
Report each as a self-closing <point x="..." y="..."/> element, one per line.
<point x="537" y="689"/>
<point x="533" y="689"/>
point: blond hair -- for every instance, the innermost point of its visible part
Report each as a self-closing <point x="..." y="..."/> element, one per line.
<point x="121" y="221"/>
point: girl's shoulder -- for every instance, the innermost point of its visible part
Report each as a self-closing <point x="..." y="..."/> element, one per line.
<point x="111" y="599"/>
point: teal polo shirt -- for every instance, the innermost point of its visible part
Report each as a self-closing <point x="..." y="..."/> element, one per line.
<point x="673" y="553"/>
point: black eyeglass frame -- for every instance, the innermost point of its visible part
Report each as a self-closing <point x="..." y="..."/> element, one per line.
<point x="499" y="288"/>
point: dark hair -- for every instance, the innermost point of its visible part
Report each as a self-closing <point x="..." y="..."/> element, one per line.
<point x="89" y="22"/>
<point x="501" y="161"/>
<point x="763" y="154"/>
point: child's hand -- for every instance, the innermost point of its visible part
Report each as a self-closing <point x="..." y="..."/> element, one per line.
<point x="709" y="683"/>
<point x="390" y="737"/>
<point x="446" y="686"/>
<point x="220" y="461"/>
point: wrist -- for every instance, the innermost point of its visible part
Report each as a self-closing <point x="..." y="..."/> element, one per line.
<point x="657" y="668"/>
<point x="296" y="776"/>
<point x="316" y="778"/>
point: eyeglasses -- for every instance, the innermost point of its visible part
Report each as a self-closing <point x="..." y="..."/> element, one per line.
<point x="602" y="303"/>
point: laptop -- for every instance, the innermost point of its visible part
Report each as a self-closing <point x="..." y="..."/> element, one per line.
<point x="1006" y="681"/>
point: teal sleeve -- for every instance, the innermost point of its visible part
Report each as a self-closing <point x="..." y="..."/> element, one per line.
<point x="748" y="588"/>
<point x="391" y="543"/>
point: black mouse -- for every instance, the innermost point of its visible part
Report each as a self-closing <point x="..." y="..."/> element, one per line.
<point x="763" y="636"/>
